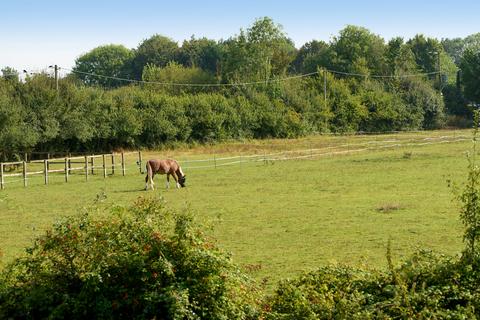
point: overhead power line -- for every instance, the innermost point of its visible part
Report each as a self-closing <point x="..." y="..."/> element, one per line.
<point x="385" y="76"/>
<point x="193" y="84"/>
<point x="249" y="83"/>
<point x="233" y="84"/>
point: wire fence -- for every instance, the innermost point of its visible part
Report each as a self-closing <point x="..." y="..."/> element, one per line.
<point x="315" y="153"/>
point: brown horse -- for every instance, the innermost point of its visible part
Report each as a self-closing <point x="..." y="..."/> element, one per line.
<point x="168" y="167"/>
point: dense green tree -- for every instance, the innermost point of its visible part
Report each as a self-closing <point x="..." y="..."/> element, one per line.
<point x="202" y="53"/>
<point x="426" y="52"/>
<point x="178" y="76"/>
<point x="10" y="74"/>
<point x="400" y="58"/>
<point x="425" y="103"/>
<point x="16" y="133"/>
<point x="357" y="50"/>
<point x="470" y="65"/>
<point x="105" y="61"/>
<point x="157" y="50"/>
<point x="454" y="48"/>
<point x="262" y="52"/>
<point x="310" y="56"/>
<point x="431" y="57"/>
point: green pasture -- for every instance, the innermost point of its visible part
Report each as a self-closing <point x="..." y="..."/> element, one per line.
<point x="341" y="200"/>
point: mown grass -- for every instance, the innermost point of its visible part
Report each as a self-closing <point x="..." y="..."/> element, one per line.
<point x="282" y="217"/>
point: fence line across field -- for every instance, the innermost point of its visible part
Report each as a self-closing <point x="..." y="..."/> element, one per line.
<point x="313" y="152"/>
<point x="88" y="167"/>
<point x="105" y="162"/>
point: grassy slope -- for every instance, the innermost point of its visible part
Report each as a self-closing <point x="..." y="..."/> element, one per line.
<point x="286" y="216"/>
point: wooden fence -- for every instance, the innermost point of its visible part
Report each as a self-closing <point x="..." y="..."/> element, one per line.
<point x="86" y="164"/>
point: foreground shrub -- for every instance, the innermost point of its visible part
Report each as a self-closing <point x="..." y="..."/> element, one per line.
<point x="140" y="262"/>
<point x="426" y="286"/>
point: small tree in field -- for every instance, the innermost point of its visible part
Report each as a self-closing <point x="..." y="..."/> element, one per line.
<point x="470" y="199"/>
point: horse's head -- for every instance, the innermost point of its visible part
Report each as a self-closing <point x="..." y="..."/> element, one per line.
<point x="181" y="181"/>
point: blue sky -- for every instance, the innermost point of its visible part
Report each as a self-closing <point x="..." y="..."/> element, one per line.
<point x="35" y="34"/>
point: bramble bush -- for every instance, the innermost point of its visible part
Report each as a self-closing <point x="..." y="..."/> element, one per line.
<point x="142" y="262"/>
<point x="425" y="286"/>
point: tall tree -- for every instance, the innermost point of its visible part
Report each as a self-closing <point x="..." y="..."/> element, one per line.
<point x="426" y="52"/>
<point x="399" y="57"/>
<point x="261" y="52"/>
<point x="10" y="74"/>
<point x="202" y="53"/>
<point x="157" y="50"/>
<point x="358" y="50"/>
<point x="310" y="56"/>
<point x="455" y="47"/>
<point x="470" y="66"/>
<point x="105" y="61"/>
<point x="176" y="73"/>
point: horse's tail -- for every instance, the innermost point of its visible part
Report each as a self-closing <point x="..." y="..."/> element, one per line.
<point x="149" y="177"/>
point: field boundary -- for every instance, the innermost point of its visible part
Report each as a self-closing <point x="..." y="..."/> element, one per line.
<point x="313" y="153"/>
<point x="108" y="163"/>
<point x="86" y="164"/>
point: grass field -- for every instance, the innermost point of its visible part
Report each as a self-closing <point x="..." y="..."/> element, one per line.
<point x="341" y="200"/>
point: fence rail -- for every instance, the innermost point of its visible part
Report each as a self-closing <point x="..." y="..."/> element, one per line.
<point x="69" y="164"/>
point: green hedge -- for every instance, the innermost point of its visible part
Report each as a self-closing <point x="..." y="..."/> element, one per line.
<point x="34" y="117"/>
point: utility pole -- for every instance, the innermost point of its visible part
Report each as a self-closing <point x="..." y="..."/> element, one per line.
<point x="325" y="86"/>
<point x="56" y="77"/>
<point x="439" y="72"/>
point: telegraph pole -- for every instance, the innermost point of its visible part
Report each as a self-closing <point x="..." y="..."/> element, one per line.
<point x="439" y="72"/>
<point x="325" y="86"/>
<point x="56" y="77"/>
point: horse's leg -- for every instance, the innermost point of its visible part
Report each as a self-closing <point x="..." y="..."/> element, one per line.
<point x="151" y="181"/>
<point x="168" y="180"/>
<point x="174" y="175"/>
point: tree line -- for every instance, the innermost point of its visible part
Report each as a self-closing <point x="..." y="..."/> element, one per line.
<point x="162" y="93"/>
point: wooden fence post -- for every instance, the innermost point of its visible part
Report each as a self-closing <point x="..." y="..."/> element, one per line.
<point x="113" y="163"/>
<point x="93" y="164"/>
<point x="45" y="170"/>
<point x="1" y="176"/>
<point x="104" y="167"/>
<point x="24" y="173"/>
<point x="215" y="160"/>
<point x="140" y="161"/>
<point x="69" y="162"/>
<point x="67" y="168"/>
<point x="86" y="168"/>
<point x="123" y="164"/>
